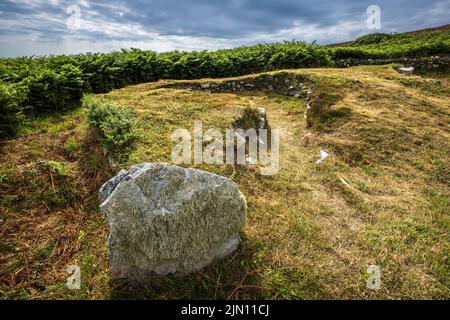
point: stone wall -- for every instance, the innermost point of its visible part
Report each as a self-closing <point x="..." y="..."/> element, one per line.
<point x="286" y="83"/>
<point x="441" y="62"/>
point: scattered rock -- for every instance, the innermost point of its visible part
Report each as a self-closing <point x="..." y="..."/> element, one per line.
<point x="294" y="92"/>
<point x="262" y="118"/>
<point x="406" y="70"/>
<point x="166" y="219"/>
<point x="205" y="85"/>
<point x="323" y="156"/>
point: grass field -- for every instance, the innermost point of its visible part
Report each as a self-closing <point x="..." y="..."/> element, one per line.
<point x="382" y="196"/>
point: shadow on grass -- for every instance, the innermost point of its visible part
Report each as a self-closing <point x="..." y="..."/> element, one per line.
<point x="230" y="278"/>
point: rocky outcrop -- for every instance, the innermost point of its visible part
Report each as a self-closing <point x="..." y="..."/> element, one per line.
<point x="166" y="219"/>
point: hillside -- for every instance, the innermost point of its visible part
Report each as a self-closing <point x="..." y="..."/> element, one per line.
<point x="445" y="27"/>
<point x="377" y="48"/>
<point x="382" y="196"/>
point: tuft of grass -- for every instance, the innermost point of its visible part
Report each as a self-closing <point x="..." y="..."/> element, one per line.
<point x="114" y="124"/>
<point x="432" y="87"/>
<point x="325" y="94"/>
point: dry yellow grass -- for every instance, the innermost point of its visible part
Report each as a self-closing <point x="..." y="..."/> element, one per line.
<point x="381" y="197"/>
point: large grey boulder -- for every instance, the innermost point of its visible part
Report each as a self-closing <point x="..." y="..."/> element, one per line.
<point x="166" y="219"/>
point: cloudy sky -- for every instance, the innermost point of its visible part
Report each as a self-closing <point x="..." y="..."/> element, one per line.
<point x="37" y="27"/>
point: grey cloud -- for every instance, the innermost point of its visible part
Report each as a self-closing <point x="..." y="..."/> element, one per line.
<point x="207" y="23"/>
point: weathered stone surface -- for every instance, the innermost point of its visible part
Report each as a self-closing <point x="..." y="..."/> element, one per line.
<point x="167" y="219"/>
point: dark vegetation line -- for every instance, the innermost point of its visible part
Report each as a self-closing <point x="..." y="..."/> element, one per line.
<point x="31" y="86"/>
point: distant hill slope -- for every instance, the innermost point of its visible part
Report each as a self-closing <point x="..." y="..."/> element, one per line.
<point x="444" y="27"/>
<point x="423" y="49"/>
<point x="440" y="28"/>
